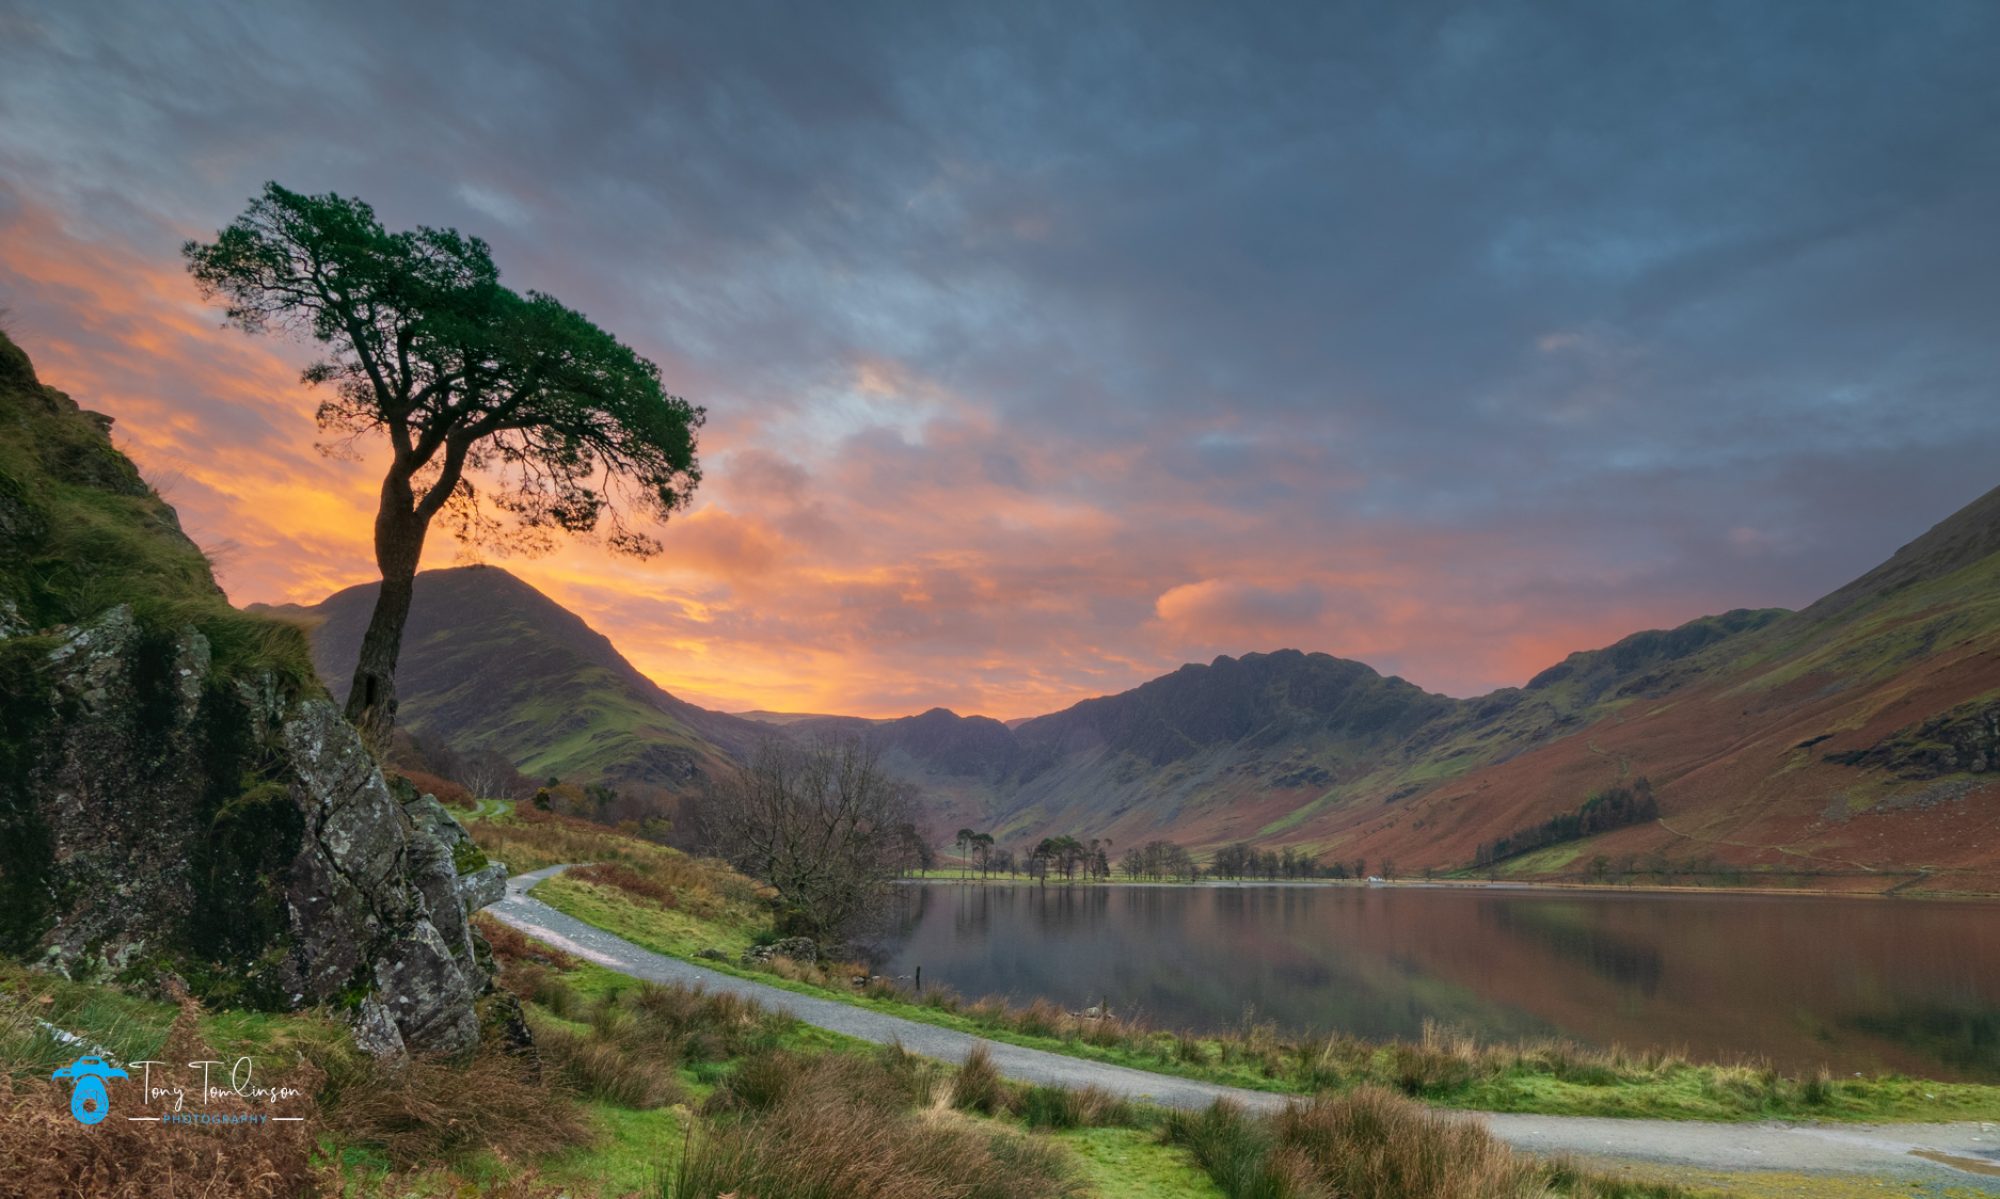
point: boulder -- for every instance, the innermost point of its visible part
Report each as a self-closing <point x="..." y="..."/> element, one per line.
<point x="799" y="949"/>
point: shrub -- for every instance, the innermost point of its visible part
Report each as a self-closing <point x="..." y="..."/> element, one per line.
<point x="446" y="792"/>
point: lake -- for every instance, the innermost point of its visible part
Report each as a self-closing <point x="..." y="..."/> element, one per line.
<point x="1853" y="984"/>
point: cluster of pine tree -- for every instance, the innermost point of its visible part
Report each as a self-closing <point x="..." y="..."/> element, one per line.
<point x="1243" y="860"/>
<point x="1617" y="808"/>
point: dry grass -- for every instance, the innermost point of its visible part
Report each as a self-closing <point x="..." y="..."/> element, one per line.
<point x="604" y="1069"/>
<point x="633" y="1041"/>
<point x="978" y="1087"/>
<point x="626" y="879"/>
<point x="530" y="839"/>
<point x="1371" y="1144"/>
<point x="49" y="1155"/>
<point x="511" y="945"/>
<point x="840" y="1127"/>
<point x="1062" y="1108"/>
<point x="427" y="1111"/>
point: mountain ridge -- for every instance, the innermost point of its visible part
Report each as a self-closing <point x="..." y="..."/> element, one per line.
<point x="529" y="678"/>
<point x="1304" y="748"/>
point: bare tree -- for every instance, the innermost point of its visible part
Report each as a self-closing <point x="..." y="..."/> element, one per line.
<point x="489" y="775"/>
<point x="820" y="822"/>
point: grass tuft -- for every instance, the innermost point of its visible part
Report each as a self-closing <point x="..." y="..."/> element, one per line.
<point x="1372" y="1144"/>
<point x="978" y="1086"/>
<point x="840" y="1127"/>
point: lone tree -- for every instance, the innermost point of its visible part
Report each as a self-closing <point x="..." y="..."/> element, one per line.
<point x="511" y="417"/>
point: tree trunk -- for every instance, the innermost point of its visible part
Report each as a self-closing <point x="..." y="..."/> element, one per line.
<point x="399" y="545"/>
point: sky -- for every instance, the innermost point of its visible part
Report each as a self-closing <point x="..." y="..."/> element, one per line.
<point x="1048" y="347"/>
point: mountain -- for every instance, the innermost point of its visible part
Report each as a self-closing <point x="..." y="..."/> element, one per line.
<point x="1853" y="744"/>
<point x="488" y="662"/>
<point x="1269" y="746"/>
<point x="1856" y="741"/>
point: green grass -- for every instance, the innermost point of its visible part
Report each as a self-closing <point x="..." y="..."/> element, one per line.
<point x="1129" y="1161"/>
<point x="132" y="1028"/>
<point x="633" y="1150"/>
<point x="638" y="1149"/>
<point x="677" y="932"/>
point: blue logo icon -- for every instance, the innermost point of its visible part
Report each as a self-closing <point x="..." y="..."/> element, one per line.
<point x="89" y="1102"/>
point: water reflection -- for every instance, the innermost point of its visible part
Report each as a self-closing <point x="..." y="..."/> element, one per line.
<point x="1851" y="984"/>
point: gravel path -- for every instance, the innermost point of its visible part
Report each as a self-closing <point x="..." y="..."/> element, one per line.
<point x="1873" y="1149"/>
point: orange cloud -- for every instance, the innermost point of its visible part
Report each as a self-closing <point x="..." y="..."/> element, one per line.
<point x="895" y="549"/>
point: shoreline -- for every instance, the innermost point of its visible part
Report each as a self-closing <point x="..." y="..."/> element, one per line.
<point x="1446" y="884"/>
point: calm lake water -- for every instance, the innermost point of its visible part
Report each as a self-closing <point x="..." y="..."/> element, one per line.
<point x="1852" y="984"/>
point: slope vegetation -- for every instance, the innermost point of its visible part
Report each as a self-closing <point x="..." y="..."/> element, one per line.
<point x="489" y="662"/>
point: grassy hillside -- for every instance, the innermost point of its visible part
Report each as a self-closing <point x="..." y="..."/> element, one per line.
<point x="488" y="662"/>
<point x="81" y="532"/>
<point x="1850" y="747"/>
<point x="1854" y="746"/>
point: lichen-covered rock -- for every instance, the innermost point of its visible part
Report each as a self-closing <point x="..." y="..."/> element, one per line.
<point x="243" y="839"/>
<point x="177" y="796"/>
<point x="459" y="867"/>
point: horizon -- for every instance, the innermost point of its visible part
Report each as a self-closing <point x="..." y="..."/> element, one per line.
<point x="1047" y="352"/>
<point x="752" y="713"/>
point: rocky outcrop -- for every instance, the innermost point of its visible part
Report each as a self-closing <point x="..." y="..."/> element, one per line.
<point x="1964" y="739"/>
<point x="177" y="795"/>
<point x="240" y="838"/>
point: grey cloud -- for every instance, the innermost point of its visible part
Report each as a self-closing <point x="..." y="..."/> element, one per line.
<point x="1305" y="258"/>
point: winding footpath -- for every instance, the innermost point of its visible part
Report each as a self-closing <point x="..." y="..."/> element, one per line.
<point x="1965" y="1155"/>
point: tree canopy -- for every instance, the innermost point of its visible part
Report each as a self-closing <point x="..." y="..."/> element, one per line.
<point x="513" y="417"/>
